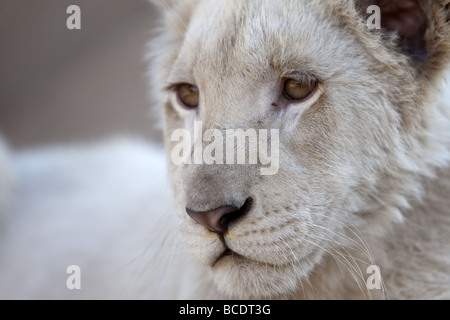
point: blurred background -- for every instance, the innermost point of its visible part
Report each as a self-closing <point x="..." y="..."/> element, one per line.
<point x="59" y="85"/>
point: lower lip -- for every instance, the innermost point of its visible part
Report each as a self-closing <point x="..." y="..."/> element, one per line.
<point x="226" y="253"/>
<point x="231" y="253"/>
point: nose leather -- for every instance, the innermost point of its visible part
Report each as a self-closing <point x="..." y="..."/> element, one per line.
<point x="215" y="220"/>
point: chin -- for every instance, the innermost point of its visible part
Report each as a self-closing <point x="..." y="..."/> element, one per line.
<point x="242" y="278"/>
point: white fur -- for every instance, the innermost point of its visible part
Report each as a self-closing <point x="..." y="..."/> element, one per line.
<point x="357" y="166"/>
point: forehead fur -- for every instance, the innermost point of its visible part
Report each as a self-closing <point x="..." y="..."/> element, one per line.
<point x="291" y="16"/>
<point x="248" y="39"/>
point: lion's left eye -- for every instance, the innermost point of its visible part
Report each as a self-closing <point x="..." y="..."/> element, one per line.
<point x="298" y="90"/>
<point x="188" y="95"/>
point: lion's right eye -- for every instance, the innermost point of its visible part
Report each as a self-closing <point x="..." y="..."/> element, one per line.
<point x="188" y="96"/>
<point x="298" y="90"/>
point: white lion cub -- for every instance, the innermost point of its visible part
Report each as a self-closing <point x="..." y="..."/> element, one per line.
<point x="357" y="119"/>
<point x="359" y="96"/>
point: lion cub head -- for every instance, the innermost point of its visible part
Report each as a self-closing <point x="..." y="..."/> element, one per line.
<point x="294" y="128"/>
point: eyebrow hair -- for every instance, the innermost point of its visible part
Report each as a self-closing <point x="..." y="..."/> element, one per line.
<point x="177" y="79"/>
<point x="300" y="75"/>
<point x="172" y="86"/>
<point x="169" y="87"/>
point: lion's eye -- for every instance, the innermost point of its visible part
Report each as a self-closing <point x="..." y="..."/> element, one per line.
<point x="188" y="95"/>
<point x="298" y="90"/>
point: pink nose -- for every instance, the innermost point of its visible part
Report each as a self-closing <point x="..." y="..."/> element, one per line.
<point x="218" y="220"/>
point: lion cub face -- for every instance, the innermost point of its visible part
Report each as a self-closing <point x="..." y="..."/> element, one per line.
<point x="319" y="97"/>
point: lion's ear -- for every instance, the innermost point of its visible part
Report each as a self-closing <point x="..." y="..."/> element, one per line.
<point x="421" y="25"/>
<point x="409" y="19"/>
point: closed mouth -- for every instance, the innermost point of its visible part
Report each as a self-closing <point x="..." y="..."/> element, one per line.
<point x="230" y="253"/>
<point x="226" y="253"/>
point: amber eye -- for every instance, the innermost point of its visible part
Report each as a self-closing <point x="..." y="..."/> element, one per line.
<point x="188" y="95"/>
<point x="298" y="90"/>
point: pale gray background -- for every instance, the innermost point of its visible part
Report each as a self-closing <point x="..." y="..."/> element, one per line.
<point x="61" y="86"/>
